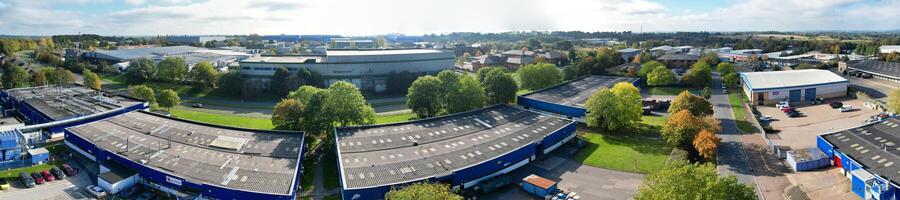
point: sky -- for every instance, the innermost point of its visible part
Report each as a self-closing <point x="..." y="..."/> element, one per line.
<point x="416" y="17"/>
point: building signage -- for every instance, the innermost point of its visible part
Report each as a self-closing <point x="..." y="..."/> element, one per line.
<point x="775" y="93"/>
<point x="173" y="180"/>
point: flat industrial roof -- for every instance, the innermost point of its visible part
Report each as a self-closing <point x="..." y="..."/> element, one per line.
<point x="880" y="67"/>
<point x="576" y="92"/>
<point x="372" y="156"/>
<point x="127" y="54"/>
<point x="790" y="78"/>
<point x="282" y="59"/>
<point x="356" y="52"/>
<point x="264" y="161"/>
<point x="60" y="102"/>
<point x="874" y="146"/>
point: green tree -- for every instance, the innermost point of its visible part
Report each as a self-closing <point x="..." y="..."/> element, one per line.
<point x="39" y="78"/>
<point x="64" y="76"/>
<point x="894" y="101"/>
<point x="569" y="73"/>
<point x="614" y="109"/>
<point x="699" y="75"/>
<point x="710" y="57"/>
<point x="725" y="68"/>
<point x="424" y="97"/>
<point x="500" y="87"/>
<point x="142" y="92"/>
<point x="706" y="92"/>
<point x="204" y="75"/>
<point x="732" y="80"/>
<point x="422" y="191"/>
<point x="660" y="76"/>
<point x="288" y="114"/>
<point x="91" y="79"/>
<point x="15" y="76"/>
<point x="648" y="67"/>
<point x="168" y="99"/>
<point x="281" y="81"/>
<point x="470" y="96"/>
<point x="172" y="68"/>
<point x="347" y="105"/>
<point x="539" y="75"/>
<point x="140" y="70"/>
<point x="696" y="105"/>
<point x="692" y="182"/>
<point x="482" y="73"/>
<point x="231" y="83"/>
<point x="601" y="109"/>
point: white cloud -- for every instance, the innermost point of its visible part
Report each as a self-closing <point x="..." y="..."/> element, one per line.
<point x="355" y="17"/>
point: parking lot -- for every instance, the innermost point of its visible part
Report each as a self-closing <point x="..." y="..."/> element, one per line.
<point x="801" y="132"/>
<point x="67" y="189"/>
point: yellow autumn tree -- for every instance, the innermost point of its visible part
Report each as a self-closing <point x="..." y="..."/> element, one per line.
<point x="706" y="144"/>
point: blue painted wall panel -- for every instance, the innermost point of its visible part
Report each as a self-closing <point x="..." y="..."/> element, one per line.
<point x="491" y="166"/>
<point x="551" y="107"/>
<point x="557" y="136"/>
<point x="824" y="146"/>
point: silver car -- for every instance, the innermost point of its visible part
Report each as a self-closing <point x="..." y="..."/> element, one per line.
<point x="95" y="191"/>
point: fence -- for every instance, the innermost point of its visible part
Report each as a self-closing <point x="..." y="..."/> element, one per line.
<point x="9" y="164"/>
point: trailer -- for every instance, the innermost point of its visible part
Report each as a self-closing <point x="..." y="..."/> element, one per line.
<point x="539" y="186"/>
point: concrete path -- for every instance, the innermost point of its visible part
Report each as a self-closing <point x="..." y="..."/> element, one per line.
<point x="732" y="160"/>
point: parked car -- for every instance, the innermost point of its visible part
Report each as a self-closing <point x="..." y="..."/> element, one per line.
<point x="846" y="108"/>
<point x="724" y="91"/>
<point x="793" y="114"/>
<point x="47" y="176"/>
<point x="787" y="109"/>
<point x="197" y="105"/>
<point x="26" y="180"/>
<point x="95" y="191"/>
<point x="766" y="118"/>
<point x="37" y="178"/>
<point x="782" y="104"/>
<point x="4" y="184"/>
<point x="836" y="104"/>
<point x="69" y="170"/>
<point x="58" y="173"/>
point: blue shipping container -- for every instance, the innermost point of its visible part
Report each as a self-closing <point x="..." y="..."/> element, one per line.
<point x="858" y="183"/>
<point x="538" y="185"/>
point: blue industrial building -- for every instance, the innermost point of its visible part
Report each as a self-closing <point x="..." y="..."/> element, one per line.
<point x="460" y="149"/>
<point x="868" y="156"/>
<point x="568" y="98"/>
<point x="189" y="160"/>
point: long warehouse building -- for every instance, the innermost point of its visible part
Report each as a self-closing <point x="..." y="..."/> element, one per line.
<point x="869" y="156"/>
<point x="460" y="149"/>
<point x="190" y="160"/>
<point x="568" y="98"/>
<point x="795" y="86"/>
<point x="367" y="69"/>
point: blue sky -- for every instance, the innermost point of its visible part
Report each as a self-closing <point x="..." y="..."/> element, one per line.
<point x="355" y="17"/>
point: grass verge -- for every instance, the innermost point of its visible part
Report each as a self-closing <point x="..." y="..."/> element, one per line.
<point x="641" y="151"/>
<point x="14" y="173"/>
<point x="223" y="119"/>
<point x="402" y="117"/>
<point x="669" y="90"/>
<point x="330" y="169"/>
<point x="740" y="112"/>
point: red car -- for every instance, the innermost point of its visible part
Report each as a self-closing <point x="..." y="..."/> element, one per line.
<point x="787" y="109"/>
<point x="69" y="170"/>
<point x="47" y="176"/>
<point x="37" y="178"/>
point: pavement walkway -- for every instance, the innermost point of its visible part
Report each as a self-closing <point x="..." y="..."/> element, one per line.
<point x="732" y="159"/>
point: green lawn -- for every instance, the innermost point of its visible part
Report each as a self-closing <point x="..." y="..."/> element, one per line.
<point x="223" y="119"/>
<point x="623" y="151"/>
<point x="667" y="90"/>
<point x="657" y="121"/>
<point x="14" y="173"/>
<point x="383" y="119"/>
<point x="740" y="112"/>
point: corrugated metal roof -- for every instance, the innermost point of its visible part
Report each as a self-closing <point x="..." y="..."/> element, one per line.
<point x="539" y="181"/>
<point x="790" y="78"/>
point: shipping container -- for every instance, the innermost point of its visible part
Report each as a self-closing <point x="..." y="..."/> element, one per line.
<point x="539" y="186"/>
<point x="807" y="159"/>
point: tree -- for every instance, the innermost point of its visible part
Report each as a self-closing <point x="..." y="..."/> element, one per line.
<point x="140" y="70"/>
<point x="471" y="96"/>
<point x="288" y="114"/>
<point x="422" y="191"/>
<point x="538" y="75"/>
<point x="381" y="42"/>
<point x="63" y="76"/>
<point x="706" y="92"/>
<point x="168" y="99"/>
<point x="569" y="73"/>
<point x="142" y="92"/>
<point x="732" y="80"/>
<point x="280" y="84"/>
<point x="39" y="78"/>
<point x="706" y="144"/>
<point x="696" y="105"/>
<point x="614" y="109"/>
<point x="680" y="129"/>
<point x="894" y="101"/>
<point x="725" y="68"/>
<point x="424" y="96"/>
<point x="231" y="83"/>
<point x="204" y="75"/>
<point x="692" y="181"/>
<point x="15" y="76"/>
<point x="699" y="75"/>
<point x="648" y="67"/>
<point x="347" y="105"/>
<point x="91" y="79"/>
<point x="482" y="73"/>
<point x="500" y="87"/>
<point x="172" y="68"/>
<point x="660" y="76"/>
<point x="710" y="57"/>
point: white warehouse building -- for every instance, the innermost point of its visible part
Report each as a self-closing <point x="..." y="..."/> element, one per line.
<point x="367" y="69"/>
<point x="795" y="86"/>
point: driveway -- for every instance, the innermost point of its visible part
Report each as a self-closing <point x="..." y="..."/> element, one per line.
<point x="732" y="160"/>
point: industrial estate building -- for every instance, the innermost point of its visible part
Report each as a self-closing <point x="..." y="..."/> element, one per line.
<point x="189" y="159"/>
<point x="868" y="155"/>
<point x="568" y="98"/>
<point x="460" y="149"/>
<point x="879" y="69"/>
<point x="367" y="69"/>
<point x="192" y="56"/>
<point x="795" y="86"/>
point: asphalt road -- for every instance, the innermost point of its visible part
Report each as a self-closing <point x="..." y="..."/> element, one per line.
<point x="731" y="158"/>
